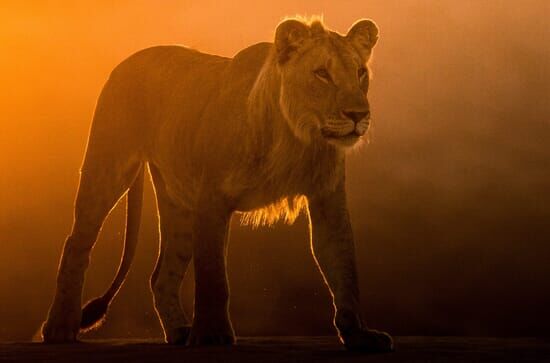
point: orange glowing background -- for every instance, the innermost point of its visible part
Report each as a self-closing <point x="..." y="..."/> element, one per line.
<point x="450" y="202"/>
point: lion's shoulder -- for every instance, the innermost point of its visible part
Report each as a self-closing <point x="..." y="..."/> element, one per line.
<point x="248" y="62"/>
<point x="254" y="52"/>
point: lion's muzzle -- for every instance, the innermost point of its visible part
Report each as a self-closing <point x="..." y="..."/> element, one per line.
<point x="362" y="126"/>
<point x="345" y="128"/>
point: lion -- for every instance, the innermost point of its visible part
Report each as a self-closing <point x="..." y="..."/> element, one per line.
<point x="264" y="134"/>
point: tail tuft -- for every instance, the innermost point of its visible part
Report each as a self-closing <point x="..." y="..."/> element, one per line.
<point x="93" y="314"/>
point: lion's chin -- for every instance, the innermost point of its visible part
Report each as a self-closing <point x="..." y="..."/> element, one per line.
<point x="345" y="141"/>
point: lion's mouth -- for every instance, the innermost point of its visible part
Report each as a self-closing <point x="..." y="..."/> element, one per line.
<point x="339" y="129"/>
<point x="335" y="134"/>
<point x="339" y="139"/>
<point x="346" y="134"/>
<point x="338" y="135"/>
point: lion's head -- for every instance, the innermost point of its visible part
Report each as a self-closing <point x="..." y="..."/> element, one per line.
<point x="324" y="79"/>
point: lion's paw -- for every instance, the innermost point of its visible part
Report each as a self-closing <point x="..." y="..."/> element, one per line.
<point x="367" y="340"/>
<point x="211" y="333"/>
<point x="178" y="336"/>
<point x="57" y="331"/>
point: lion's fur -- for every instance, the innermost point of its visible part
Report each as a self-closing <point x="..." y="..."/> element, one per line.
<point x="262" y="134"/>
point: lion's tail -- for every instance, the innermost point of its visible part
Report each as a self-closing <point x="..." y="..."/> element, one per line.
<point x="94" y="312"/>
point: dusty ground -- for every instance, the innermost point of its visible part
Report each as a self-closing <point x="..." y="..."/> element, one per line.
<point x="285" y="349"/>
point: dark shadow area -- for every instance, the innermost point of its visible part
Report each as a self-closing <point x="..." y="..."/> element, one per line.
<point x="287" y="349"/>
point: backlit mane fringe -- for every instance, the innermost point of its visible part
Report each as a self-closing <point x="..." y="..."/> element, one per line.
<point x="311" y="20"/>
<point x="286" y="209"/>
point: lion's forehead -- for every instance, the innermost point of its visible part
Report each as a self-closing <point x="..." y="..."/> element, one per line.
<point x="335" y="51"/>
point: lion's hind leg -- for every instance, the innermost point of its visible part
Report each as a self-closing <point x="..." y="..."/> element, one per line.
<point x="102" y="184"/>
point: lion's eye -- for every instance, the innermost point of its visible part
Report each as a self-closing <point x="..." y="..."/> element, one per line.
<point x="322" y="74"/>
<point x="361" y="73"/>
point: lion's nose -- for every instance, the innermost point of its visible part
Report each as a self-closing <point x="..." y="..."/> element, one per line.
<point x="355" y="116"/>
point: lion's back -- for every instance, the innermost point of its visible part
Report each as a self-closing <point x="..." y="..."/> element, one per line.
<point x="150" y="88"/>
<point x="162" y="76"/>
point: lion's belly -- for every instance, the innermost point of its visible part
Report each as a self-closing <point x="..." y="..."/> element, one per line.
<point x="255" y="199"/>
<point x="265" y="208"/>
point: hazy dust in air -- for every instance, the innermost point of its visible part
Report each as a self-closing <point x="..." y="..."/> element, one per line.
<point x="449" y="201"/>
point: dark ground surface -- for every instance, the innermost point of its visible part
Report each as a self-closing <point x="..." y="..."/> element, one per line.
<point x="285" y="349"/>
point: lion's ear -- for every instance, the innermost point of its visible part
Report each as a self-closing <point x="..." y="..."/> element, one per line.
<point x="364" y="34"/>
<point x="289" y="36"/>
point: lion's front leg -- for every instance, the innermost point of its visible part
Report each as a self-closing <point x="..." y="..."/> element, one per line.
<point x="211" y="323"/>
<point x="333" y="248"/>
